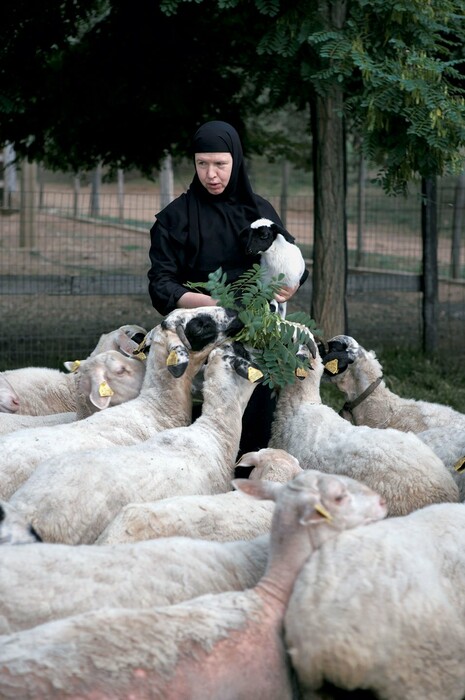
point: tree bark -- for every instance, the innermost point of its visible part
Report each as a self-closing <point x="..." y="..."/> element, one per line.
<point x="27" y="214"/>
<point x="330" y="237"/>
<point x="457" y="224"/>
<point x="429" y="230"/>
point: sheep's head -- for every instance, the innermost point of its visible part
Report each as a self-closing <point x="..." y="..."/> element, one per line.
<point x="235" y="356"/>
<point x="341" y="351"/>
<point x="199" y="327"/>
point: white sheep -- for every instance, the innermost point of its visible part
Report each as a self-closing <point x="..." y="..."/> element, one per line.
<point x="102" y="380"/>
<point x="398" y="465"/>
<point x="9" y="399"/>
<point x="278" y="252"/>
<point x="164" y="401"/>
<point x="358" y="374"/>
<point x="14" y="528"/>
<point x="382" y="609"/>
<point x="44" y="390"/>
<point x="228" y="645"/>
<point x="222" y="517"/>
<point x="73" y="497"/>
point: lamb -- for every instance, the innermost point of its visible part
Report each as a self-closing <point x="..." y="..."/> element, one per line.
<point x="72" y="498"/>
<point x="398" y="465"/>
<point x="278" y="254"/>
<point x="164" y="400"/>
<point x="44" y="390"/>
<point x="14" y="529"/>
<point x="381" y="608"/>
<point x="102" y="380"/>
<point x="221" y="517"/>
<point x="225" y="645"/>
<point x="9" y="399"/>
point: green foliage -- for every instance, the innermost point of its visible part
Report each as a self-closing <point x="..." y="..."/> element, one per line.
<point x="275" y="341"/>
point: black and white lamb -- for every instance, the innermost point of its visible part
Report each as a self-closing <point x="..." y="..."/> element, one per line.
<point x="278" y="252"/>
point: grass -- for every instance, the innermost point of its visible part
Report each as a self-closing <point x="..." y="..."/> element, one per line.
<point x="411" y="375"/>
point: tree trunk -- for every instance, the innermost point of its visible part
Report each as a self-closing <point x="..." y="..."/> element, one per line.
<point x="457" y="224"/>
<point x="120" y="194"/>
<point x="166" y="182"/>
<point x="96" y="181"/>
<point x="361" y="191"/>
<point x="27" y="214"/>
<point x="330" y="238"/>
<point x="284" y="191"/>
<point x="429" y="230"/>
<point x="76" y="193"/>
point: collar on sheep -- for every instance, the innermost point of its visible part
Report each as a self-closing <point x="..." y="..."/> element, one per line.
<point x="350" y="405"/>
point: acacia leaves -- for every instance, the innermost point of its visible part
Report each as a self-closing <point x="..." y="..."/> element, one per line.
<point x="275" y="341"/>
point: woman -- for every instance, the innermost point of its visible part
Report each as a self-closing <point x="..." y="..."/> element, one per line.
<point x="199" y="232"/>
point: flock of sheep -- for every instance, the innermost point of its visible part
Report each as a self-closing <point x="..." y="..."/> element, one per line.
<point x="136" y="565"/>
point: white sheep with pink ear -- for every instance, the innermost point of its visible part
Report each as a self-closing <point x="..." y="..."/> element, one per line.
<point x="227" y="645"/>
<point x="278" y="252"/>
<point x="9" y="399"/>
<point x="164" y="400"/>
<point x="92" y="486"/>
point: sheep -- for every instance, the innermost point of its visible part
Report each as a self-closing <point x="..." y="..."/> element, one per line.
<point x="102" y="380"/>
<point x="9" y="399"/>
<point x="163" y="402"/>
<point x="221" y="517"/>
<point x="358" y="374"/>
<point x="354" y="371"/>
<point x="14" y="529"/>
<point x="44" y="390"/>
<point x="381" y="608"/>
<point x="226" y="645"/>
<point x="72" y="498"/>
<point x="278" y="254"/>
<point x="398" y="465"/>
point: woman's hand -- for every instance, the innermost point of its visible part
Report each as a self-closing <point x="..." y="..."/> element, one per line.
<point x="285" y="293"/>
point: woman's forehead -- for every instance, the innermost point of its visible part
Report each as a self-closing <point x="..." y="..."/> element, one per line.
<point x="213" y="156"/>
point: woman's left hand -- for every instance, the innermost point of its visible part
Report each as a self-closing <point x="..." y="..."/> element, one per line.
<point x="285" y="293"/>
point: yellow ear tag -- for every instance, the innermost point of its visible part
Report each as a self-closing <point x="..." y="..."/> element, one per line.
<point x="172" y="358"/>
<point x="253" y="374"/>
<point x="75" y="366"/>
<point x="141" y="356"/>
<point x="322" y="511"/>
<point x="105" y="390"/>
<point x="301" y="372"/>
<point x="332" y="366"/>
<point x="460" y="465"/>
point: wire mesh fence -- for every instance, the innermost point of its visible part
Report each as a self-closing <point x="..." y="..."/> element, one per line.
<point x="73" y="267"/>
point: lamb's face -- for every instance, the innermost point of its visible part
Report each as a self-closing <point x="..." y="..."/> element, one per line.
<point x="259" y="236"/>
<point x="235" y="358"/>
<point x="202" y="326"/>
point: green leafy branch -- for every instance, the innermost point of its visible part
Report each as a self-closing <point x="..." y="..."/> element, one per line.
<point x="275" y="341"/>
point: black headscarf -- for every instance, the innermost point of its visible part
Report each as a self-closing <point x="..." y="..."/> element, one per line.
<point x="205" y="218"/>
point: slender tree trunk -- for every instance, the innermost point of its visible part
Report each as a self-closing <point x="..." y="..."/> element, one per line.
<point x="76" y="193"/>
<point x="429" y="229"/>
<point x="96" y="181"/>
<point x="120" y="194"/>
<point x="166" y="181"/>
<point x="27" y="215"/>
<point x="361" y="191"/>
<point x="457" y="225"/>
<point x="284" y="190"/>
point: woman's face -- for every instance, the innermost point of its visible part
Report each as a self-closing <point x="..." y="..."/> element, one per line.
<point x="214" y="170"/>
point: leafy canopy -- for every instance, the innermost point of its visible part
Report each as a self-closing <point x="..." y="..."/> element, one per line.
<point x="275" y="341"/>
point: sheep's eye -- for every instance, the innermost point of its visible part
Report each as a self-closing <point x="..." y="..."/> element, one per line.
<point x="120" y="370"/>
<point x="339" y="498"/>
<point x="264" y="236"/>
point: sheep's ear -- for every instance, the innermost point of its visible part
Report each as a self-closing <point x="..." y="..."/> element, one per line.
<point x="314" y="513"/>
<point x="262" y="490"/>
<point x="72" y="366"/>
<point x="177" y="361"/>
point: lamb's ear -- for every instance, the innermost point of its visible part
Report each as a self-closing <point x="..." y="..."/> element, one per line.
<point x="279" y="229"/>
<point x="262" y="490"/>
<point x="72" y="366"/>
<point x="177" y="361"/>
